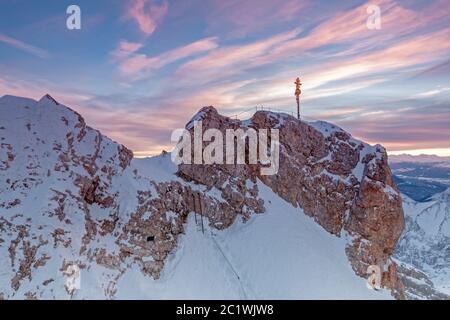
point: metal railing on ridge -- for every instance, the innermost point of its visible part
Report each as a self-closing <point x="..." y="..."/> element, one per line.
<point x="248" y="113"/>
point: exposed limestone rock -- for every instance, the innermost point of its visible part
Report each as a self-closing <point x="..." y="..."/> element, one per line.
<point x="339" y="181"/>
<point x="376" y="218"/>
<point x="152" y="232"/>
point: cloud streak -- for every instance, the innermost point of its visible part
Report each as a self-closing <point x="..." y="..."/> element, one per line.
<point x="240" y="18"/>
<point x="422" y="127"/>
<point x="138" y="63"/>
<point x="231" y="60"/>
<point x="38" y="52"/>
<point x="125" y="49"/>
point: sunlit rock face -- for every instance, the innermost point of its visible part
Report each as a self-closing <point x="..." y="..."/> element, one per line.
<point x="344" y="184"/>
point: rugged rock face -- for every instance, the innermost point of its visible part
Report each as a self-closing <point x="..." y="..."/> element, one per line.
<point x="344" y="184"/>
<point x="71" y="196"/>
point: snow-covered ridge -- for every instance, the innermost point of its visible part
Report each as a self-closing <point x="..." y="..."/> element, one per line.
<point x="138" y="228"/>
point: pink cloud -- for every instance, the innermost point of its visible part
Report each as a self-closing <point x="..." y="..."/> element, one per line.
<point x="243" y="17"/>
<point x="411" y="49"/>
<point x="125" y="49"/>
<point x="422" y="127"/>
<point x="343" y="28"/>
<point x="41" y="53"/>
<point x="229" y="60"/>
<point x="34" y="90"/>
<point x="413" y="52"/>
<point x="138" y="63"/>
<point x="147" y="14"/>
<point x="350" y="28"/>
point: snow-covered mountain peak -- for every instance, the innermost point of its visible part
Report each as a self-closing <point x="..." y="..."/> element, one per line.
<point x="71" y="197"/>
<point x="47" y="99"/>
<point x="425" y="245"/>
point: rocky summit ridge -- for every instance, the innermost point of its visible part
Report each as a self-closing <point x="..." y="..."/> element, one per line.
<point x="71" y="196"/>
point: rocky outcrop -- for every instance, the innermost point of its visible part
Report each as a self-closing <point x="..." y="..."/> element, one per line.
<point x="376" y="220"/>
<point x="344" y="184"/>
<point x="152" y="231"/>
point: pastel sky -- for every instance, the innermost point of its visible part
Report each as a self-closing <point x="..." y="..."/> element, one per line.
<point x="139" y="69"/>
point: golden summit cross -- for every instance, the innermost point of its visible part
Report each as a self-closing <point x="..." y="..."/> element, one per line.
<point x="298" y="92"/>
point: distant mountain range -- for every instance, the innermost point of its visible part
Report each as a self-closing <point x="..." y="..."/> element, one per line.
<point x="423" y="158"/>
<point x="421" y="177"/>
<point x="423" y="251"/>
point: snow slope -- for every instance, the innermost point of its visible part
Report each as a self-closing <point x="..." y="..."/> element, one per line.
<point x="280" y="254"/>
